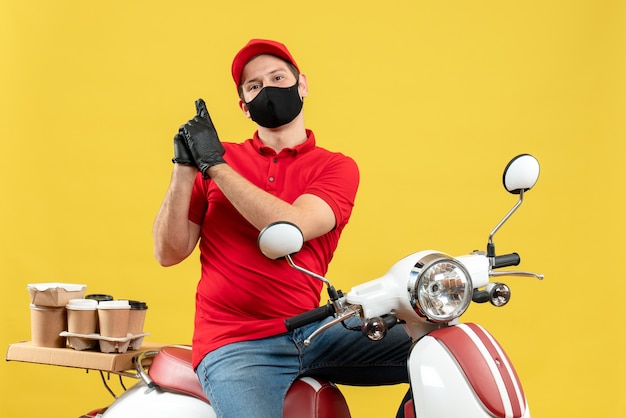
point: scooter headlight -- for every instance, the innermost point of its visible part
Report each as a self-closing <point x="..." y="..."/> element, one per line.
<point x="440" y="288"/>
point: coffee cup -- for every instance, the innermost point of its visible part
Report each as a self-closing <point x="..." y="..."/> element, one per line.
<point x="82" y="316"/>
<point x="113" y="318"/>
<point x="46" y="323"/>
<point x="99" y="297"/>
<point x="137" y="317"/>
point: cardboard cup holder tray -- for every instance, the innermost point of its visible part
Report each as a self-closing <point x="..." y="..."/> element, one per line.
<point x="82" y="342"/>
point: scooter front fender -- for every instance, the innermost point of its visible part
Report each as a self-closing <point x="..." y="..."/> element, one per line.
<point x="461" y="371"/>
<point x="141" y="401"/>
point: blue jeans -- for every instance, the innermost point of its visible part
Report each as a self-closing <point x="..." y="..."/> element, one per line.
<point x="251" y="378"/>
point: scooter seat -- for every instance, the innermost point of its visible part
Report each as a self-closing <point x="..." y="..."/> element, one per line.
<point x="171" y="369"/>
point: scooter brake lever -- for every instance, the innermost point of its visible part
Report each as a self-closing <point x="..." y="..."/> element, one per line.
<point x="350" y="312"/>
<point x="515" y="273"/>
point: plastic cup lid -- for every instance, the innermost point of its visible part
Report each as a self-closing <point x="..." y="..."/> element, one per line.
<point x="82" y="304"/>
<point x="99" y="297"/>
<point x="137" y="305"/>
<point x="114" y="304"/>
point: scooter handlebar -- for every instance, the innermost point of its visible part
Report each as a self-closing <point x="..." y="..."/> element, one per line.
<point x="506" y="260"/>
<point x="309" y="317"/>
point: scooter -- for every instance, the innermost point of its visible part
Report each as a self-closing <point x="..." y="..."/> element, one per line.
<point x="455" y="369"/>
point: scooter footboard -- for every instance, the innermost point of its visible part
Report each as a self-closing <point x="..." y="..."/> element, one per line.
<point x="462" y="371"/>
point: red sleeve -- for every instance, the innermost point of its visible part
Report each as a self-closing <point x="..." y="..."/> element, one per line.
<point x="337" y="186"/>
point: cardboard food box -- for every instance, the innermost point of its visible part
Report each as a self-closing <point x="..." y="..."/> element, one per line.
<point x="26" y="352"/>
<point x="55" y="294"/>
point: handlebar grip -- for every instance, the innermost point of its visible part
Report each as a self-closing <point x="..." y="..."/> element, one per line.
<point x="506" y="260"/>
<point x="309" y="317"/>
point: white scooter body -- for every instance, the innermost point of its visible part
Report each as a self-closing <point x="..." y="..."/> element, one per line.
<point x="142" y="401"/>
<point x="455" y="371"/>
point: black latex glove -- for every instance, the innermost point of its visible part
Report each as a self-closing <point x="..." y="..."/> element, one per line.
<point x="182" y="155"/>
<point x="202" y="140"/>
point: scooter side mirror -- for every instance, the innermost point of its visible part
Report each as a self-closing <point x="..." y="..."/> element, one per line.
<point x="521" y="174"/>
<point x="280" y="239"/>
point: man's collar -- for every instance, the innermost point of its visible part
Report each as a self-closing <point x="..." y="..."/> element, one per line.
<point x="298" y="149"/>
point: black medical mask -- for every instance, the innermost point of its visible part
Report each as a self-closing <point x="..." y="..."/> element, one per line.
<point x="275" y="106"/>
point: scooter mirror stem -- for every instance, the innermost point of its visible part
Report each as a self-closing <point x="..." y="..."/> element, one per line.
<point x="491" y="247"/>
<point x="310" y="273"/>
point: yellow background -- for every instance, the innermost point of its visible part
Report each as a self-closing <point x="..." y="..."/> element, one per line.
<point x="432" y="98"/>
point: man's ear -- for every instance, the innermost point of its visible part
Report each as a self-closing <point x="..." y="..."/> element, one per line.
<point x="303" y="86"/>
<point x="244" y="108"/>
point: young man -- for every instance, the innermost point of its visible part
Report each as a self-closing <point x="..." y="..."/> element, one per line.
<point x="223" y="195"/>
